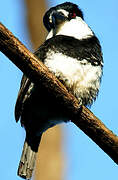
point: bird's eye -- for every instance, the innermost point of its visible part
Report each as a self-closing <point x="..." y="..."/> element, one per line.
<point x="72" y="15"/>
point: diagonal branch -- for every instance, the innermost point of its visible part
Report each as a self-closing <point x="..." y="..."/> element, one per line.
<point x="39" y="74"/>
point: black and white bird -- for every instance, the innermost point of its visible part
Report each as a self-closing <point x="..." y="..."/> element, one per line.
<point x="73" y="53"/>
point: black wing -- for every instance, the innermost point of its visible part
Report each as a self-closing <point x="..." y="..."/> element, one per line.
<point x="25" y="84"/>
<point x="25" y="90"/>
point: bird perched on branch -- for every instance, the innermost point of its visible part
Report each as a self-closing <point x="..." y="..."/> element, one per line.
<point x="73" y="53"/>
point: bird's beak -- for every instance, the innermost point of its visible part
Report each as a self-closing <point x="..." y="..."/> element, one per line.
<point x="58" y="18"/>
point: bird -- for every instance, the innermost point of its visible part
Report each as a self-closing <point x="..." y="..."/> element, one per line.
<point x="72" y="52"/>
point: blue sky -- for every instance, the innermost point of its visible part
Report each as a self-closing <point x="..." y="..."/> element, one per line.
<point x="85" y="160"/>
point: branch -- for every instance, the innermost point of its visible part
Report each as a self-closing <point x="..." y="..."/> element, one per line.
<point x="39" y="74"/>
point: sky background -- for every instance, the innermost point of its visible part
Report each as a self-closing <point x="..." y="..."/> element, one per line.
<point x="85" y="160"/>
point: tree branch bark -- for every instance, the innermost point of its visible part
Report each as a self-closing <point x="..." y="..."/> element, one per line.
<point x="39" y="74"/>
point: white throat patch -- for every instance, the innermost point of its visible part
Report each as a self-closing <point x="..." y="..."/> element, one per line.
<point x="76" y="28"/>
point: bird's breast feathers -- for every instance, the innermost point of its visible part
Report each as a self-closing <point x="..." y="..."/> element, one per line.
<point x="81" y="77"/>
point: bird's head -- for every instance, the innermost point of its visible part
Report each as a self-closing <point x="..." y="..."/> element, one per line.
<point x="66" y="19"/>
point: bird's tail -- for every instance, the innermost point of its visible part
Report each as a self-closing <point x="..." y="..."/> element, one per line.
<point x="27" y="161"/>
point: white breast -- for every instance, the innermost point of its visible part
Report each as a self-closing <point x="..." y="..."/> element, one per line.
<point x="79" y="76"/>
